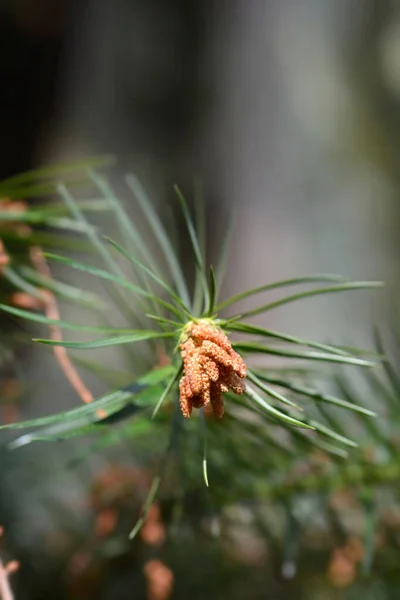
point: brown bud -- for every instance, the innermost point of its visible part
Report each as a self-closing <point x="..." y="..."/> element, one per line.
<point x="211" y="367"/>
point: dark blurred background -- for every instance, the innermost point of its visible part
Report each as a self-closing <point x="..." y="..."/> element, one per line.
<point x="288" y="110"/>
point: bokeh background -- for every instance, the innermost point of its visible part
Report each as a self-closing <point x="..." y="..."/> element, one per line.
<point x="289" y="112"/>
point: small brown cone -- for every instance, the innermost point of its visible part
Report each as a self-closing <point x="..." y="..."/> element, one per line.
<point x="211" y="367"/>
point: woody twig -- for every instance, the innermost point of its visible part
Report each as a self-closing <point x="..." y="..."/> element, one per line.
<point x="52" y="312"/>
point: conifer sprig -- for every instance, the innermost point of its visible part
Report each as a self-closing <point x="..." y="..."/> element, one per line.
<point x="203" y="368"/>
